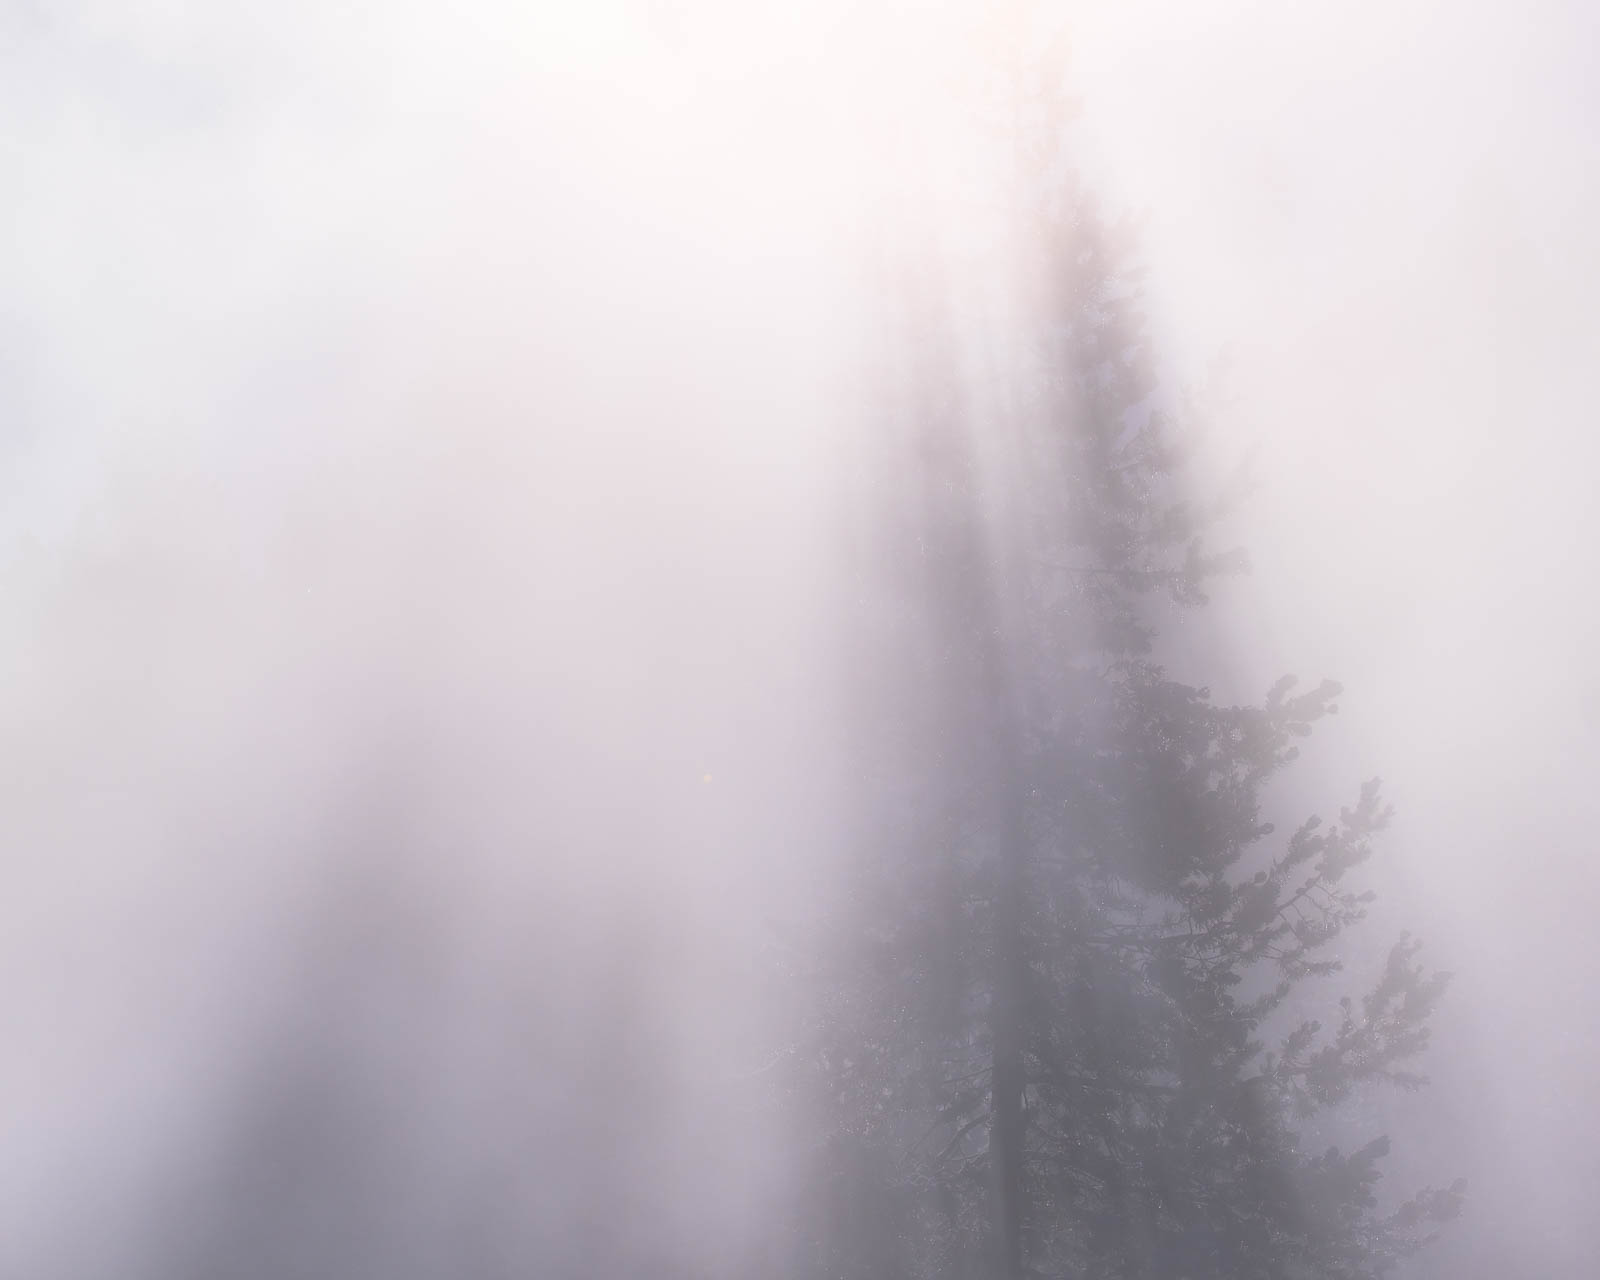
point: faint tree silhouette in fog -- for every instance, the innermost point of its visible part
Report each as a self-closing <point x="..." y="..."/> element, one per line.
<point x="1054" y="1035"/>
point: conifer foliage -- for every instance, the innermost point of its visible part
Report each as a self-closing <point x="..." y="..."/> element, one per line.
<point x="1057" y="1034"/>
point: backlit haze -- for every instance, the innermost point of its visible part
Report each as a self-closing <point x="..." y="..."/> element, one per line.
<point x="430" y="444"/>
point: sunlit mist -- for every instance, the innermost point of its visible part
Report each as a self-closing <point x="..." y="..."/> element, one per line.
<point x="646" y="638"/>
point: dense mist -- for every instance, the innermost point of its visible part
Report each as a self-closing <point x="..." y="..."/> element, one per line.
<point x="624" y="653"/>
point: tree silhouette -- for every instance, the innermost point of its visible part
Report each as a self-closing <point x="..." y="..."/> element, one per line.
<point x="1055" y="1034"/>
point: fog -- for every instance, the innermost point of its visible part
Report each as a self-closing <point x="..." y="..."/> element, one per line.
<point x="1387" y="216"/>
<point x="434" y="450"/>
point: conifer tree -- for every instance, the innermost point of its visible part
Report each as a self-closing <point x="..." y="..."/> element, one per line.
<point x="1053" y="1039"/>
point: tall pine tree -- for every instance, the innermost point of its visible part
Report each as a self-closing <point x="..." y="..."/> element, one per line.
<point x="1053" y="1037"/>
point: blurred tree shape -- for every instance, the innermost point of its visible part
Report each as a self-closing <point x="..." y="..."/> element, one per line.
<point x="1048" y="1037"/>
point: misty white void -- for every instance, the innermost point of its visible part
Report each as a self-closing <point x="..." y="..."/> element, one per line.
<point x="605" y="656"/>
